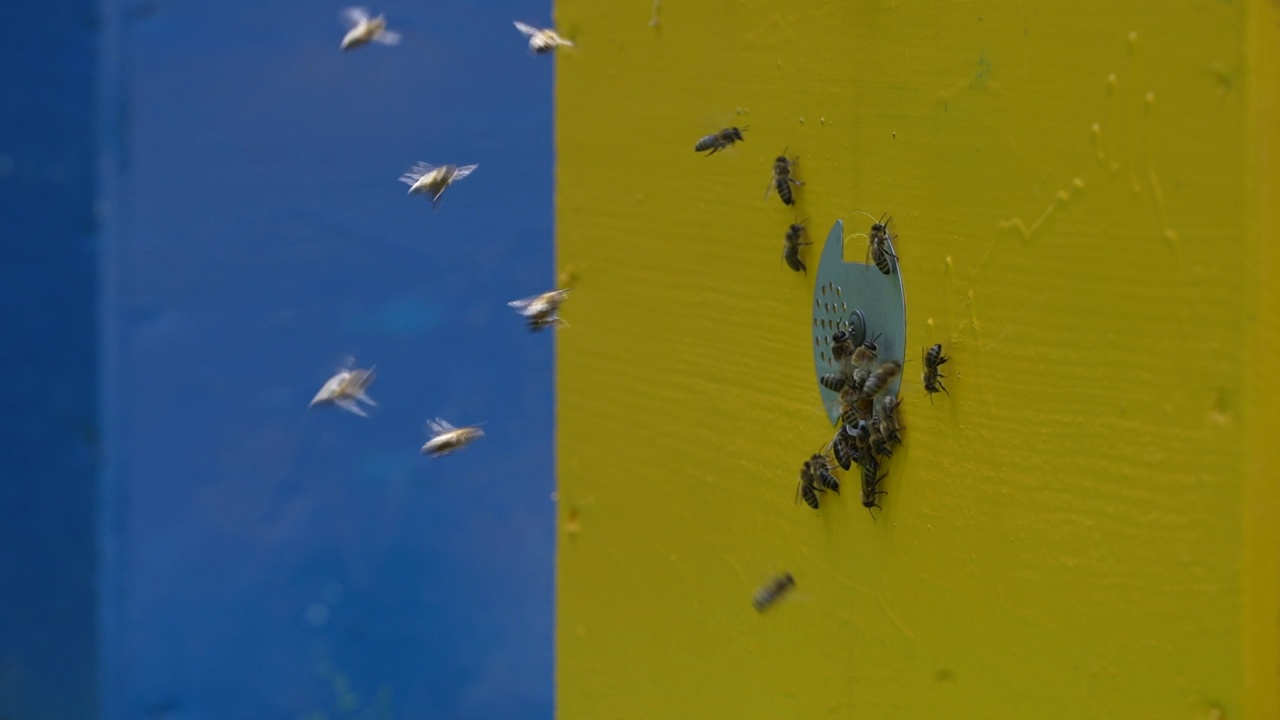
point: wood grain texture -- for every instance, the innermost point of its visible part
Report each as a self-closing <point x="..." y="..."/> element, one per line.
<point x="1064" y="534"/>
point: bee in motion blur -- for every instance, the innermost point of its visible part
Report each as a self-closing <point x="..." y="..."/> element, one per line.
<point x="791" y="245"/>
<point x="425" y="178"/>
<point x="542" y="311"/>
<point x="346" y="389"/>
<point x="364" y="29"/>
<point x="933" y="359"/>
<point x="783" y="178"/>
<point x="718" y="141"/>
<point x="766" y="596"/>
<point x="542" y="41"/>
<point x="446" y="438"/>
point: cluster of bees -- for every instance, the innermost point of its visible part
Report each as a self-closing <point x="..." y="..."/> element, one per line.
<point x="868" y="428"/>
<point x="348" y="387"/>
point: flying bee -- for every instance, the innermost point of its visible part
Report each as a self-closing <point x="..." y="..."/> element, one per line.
<point x="791" y="248"/>
<point x="933" y="358"/>
<point x="782" y="179"/>
<point x="770" y="593"/>
<point x="542" y="311"/>
<point x="542" y="41"/>
<point x="717" y="141"/>
<point x="433" y="180"/>
<point x="346" y="389"/>
<point x="820" y="469"/>
<point x="446" y="438"/>
<point x="808" y="487"/>
<point x="364" y="29"/>
<point x="881" y="378"/>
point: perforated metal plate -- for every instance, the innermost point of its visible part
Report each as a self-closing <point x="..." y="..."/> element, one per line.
<point x="859" y="298"/>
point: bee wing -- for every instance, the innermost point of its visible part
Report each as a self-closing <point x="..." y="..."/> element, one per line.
<point x="523" y="303"/>
<point x="566" y="42"/>
<point x="417" y="172"/>
<point x="440" y="426"/>
<point x="463" y="171"/>
<point x="387" y="37"/>
<point x="769" y="188"/>
<point x="350" y="405"/>
<point x="353" y="16"/>
<point x="528" y="30"/>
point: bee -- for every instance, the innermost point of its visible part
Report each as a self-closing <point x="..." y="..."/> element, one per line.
<point x="717" y="141"/>
<point x="808" y="487"/>
<point x="542" y="41"/>
<point x="542" y="311"/>
<point x="871" y="479"/>
<point x="844" y="450"/>
<point x="446" y="438"/>
<point x="879" y="443"/>
<point x="433" y="180"/>
<point x="881" y="378"/>
<point x="933" y="358"/>
<point x="364" y="29"/>
<point x="791" y="248"/>
<point x="864" y="357"/>
<point x="833" y="382"/>
<point x="878" y="244"/>
<point x="889" y="426"/>
<point x="782" y="179"/>
<point x="769" y="594"/>
<point x="820" y="468"/>
<point x="853" y="406"/>
<point x="842" y="346"/>
<point x="346" y="389"/>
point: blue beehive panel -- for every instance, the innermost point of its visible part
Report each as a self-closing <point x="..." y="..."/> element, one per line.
<point x="275" y="561"/>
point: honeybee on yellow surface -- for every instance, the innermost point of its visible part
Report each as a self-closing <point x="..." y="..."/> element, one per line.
<point x="783" y="178"/>
<point x="770" y="593"/>
<point x="871" y="479"/>
<point x="717" y="141"/>
<point x="791" y="248"/>
<point x="364" y="29"/>
<point x="808" y="487"/>
<point x="542" y="41"/>
<point x="933" y="359"/>
<point x="347" y="389"/>
<point x="445" y="438"/>
<point x="878" y="245"/>
<point x="819" y="466"/>
<point x="427" y="179"/>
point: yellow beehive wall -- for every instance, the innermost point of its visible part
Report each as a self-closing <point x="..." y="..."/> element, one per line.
<point x="1081" y="194"/>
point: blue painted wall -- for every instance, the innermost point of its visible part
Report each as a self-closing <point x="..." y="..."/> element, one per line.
<point x="259" y="559"/>
<point x="48" y="349"/>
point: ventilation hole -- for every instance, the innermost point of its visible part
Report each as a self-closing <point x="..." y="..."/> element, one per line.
<point x="823" y="355"/>
<point x="817" y="303"/>
<point x="816" y="343"/>
<point x="824" y="289"/>
<point x="842" y="306"/>
<point x="837" y="291"/>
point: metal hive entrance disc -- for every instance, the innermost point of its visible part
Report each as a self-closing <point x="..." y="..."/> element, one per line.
<point x="858" y="298"/>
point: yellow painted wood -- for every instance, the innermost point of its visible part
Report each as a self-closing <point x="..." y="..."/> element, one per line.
<point x="1086" y="526"/>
